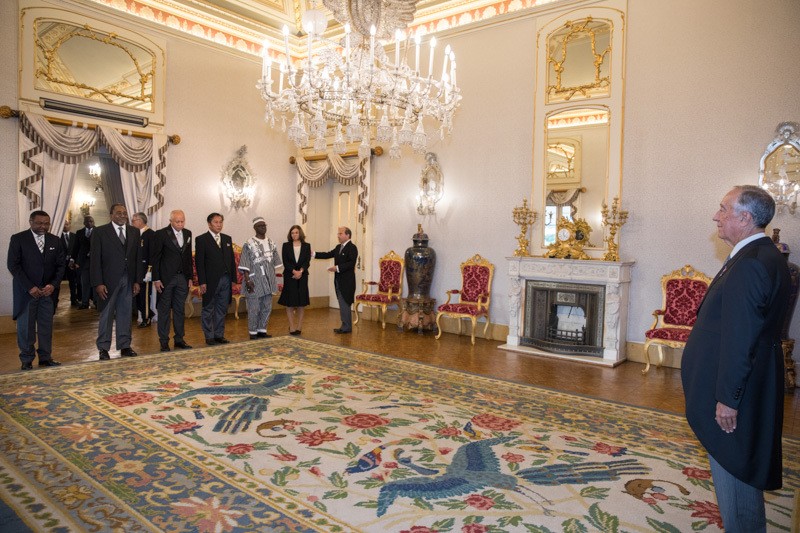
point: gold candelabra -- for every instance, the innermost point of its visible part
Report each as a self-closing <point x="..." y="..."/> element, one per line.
<point x="523" y="217"/>
<point x="614" y="220"/>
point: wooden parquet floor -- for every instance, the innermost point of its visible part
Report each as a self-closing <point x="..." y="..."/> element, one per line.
<point x="75" y="332"/>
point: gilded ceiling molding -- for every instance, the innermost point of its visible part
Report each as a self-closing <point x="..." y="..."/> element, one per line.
<point x="196" y="23"/>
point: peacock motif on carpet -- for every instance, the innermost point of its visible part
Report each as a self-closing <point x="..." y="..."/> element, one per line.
<point x="475" y="467"/>
<point x="241" y="413"/>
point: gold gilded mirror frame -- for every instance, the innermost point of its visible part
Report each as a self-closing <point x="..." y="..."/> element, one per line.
<point x="605" y="182"/>
<point x="125" y="78"/>
<point x="578" y="51"/>
<point x="90" y="67"/>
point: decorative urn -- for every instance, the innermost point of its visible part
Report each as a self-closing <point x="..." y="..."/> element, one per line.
<point x="420" y="263"/>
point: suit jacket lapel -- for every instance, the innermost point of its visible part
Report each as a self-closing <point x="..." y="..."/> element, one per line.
<point x="727" y="267"/>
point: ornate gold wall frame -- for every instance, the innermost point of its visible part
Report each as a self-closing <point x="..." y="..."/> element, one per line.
<point x="69" y="56"/>
<point x="577" y="60"/>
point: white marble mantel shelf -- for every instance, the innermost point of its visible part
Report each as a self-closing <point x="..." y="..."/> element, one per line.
<point x="615" y="276"/>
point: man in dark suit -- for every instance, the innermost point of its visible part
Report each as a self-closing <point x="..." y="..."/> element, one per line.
<point x="79" y="259"/>
<point x="216" y="271"/>
<point x="344" y="257"/>
<point x="143" y="304"/>
<point x="732" y="365"/>
<point x="115" y="272"/>
<point x="36" y="261"/>
<point x="67" y="239"/>
<point x="171" y="260"/>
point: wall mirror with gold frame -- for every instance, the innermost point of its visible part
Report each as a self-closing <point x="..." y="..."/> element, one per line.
<point x="779" y="168"/>
<point x="578" y="116"/>
<point x="69" y="57"/>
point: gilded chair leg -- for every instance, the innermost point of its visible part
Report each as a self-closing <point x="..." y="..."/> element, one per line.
<point x="438" y="327"/>
<point x="356" y="308"/>
<point x="646" y="358"/>
<point x="459" y="325"/>
<point x="474" y="323"/>
<point x="188" y="307"/>
<point x="660" y="356"/>
<point x="236" y="299"/>
<point x="486" y="327"/>
<point x="383" y="316"/>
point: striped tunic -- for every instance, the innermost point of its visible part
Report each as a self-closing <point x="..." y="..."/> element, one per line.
<point x="260" y="258"/>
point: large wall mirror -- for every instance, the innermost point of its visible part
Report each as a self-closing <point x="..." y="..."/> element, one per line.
<point x="577" y="167"/>
<point x="72" y="63"/>
<point x="578" y="109"/>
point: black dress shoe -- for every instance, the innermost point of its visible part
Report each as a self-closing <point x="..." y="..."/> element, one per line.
<point x="104" y="355"/>
<point x="253" y="337"/>
<point x="295" y="333"/>
<point x="83" y="306"/>
<point x="337" y="330"/>
<point x="164" y="347"/>
<point x="263" y="335"/>
<point x="221" y="340"/>
<point x="49" y="362"/>
<point x="128" y="352"/>
<point x="182" y="345"/>
<point x="144" y="323"/>
<point x="211" y="342"/>
<point x="27" y="366"/>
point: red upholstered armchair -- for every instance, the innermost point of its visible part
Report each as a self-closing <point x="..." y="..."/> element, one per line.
<point x="390" y="286"/>
<point x="475" y="295"/>
<point x="683" y="290"/>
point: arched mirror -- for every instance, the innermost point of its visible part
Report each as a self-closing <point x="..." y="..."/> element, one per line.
<point x="578" y="117"/>
<point x="576" y="161"/>
<point x="779" y="171"/>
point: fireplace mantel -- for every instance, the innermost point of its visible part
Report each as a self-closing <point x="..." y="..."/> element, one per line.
<point x="614" y="276"/>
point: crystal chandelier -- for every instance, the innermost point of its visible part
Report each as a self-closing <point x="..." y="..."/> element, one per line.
<point x="351" y="90"/>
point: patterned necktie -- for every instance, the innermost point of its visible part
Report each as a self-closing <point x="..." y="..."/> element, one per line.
<point x="216" y="239"/>
<point x="40" y="243"/>
<point x="121" y="236"/>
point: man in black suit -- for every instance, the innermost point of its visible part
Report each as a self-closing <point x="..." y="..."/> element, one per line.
<point x="732" y="365"/>
<point x="171" y="260"/>
<point x="344" y="257"/>
<point x="115" y="272"/>
<point x="67" y="239"/>
<point x="36" y="260"/>
<point x="143" y="304"/>
<point x="79" y="260"/>
<point x="216" y="271"/>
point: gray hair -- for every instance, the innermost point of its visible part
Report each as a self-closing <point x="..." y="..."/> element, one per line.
<point x="757" y="202"/>
<point x="140" y="216"/>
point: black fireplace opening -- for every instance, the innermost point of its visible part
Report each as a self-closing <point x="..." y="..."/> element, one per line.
<point x="565" y="318"/>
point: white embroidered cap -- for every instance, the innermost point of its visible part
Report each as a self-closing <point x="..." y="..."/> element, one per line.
<point x="259" y="219"/>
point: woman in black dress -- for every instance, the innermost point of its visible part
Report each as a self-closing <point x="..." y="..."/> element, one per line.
<point x="296" y="255"/>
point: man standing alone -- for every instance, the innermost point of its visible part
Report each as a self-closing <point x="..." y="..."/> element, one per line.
<point x="216" y="270"/>
<point x="171" y="259"/>
<point x="115" y="273"/>
<point x="344" y="255"/>
<point x="36" y="260"/>
<point x="732" y="365"/>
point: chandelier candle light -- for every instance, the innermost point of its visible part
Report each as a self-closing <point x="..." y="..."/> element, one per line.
<point x="352" y="91"/>
<point x="524" y="218"/>
<point x="614" y="220"/>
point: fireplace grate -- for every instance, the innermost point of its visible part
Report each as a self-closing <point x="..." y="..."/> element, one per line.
<point x="567" y="336"/>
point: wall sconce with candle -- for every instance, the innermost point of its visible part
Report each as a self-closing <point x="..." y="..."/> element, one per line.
<point x="431" y="185"/>
<point x="88" y="203"/>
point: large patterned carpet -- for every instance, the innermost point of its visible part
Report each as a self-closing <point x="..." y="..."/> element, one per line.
<point x="292" y="435"/>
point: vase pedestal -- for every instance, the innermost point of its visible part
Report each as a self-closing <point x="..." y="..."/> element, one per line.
<point x="419" y="313"/>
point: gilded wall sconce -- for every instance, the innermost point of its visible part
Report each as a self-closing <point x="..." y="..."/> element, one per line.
<point x="431" y="185"/>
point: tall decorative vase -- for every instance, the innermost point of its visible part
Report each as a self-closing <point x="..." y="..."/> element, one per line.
<point x="420" y="263"/>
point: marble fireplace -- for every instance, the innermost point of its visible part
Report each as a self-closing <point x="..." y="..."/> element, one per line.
<point x="568" y="309"/>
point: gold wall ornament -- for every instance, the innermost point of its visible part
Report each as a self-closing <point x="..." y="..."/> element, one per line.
<point x="614" y="219"/>
<point x="576" y="58"/>
<point x="571" y="237"/>
<point x="238" y="180"/>
<point x="523" y="217"/>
